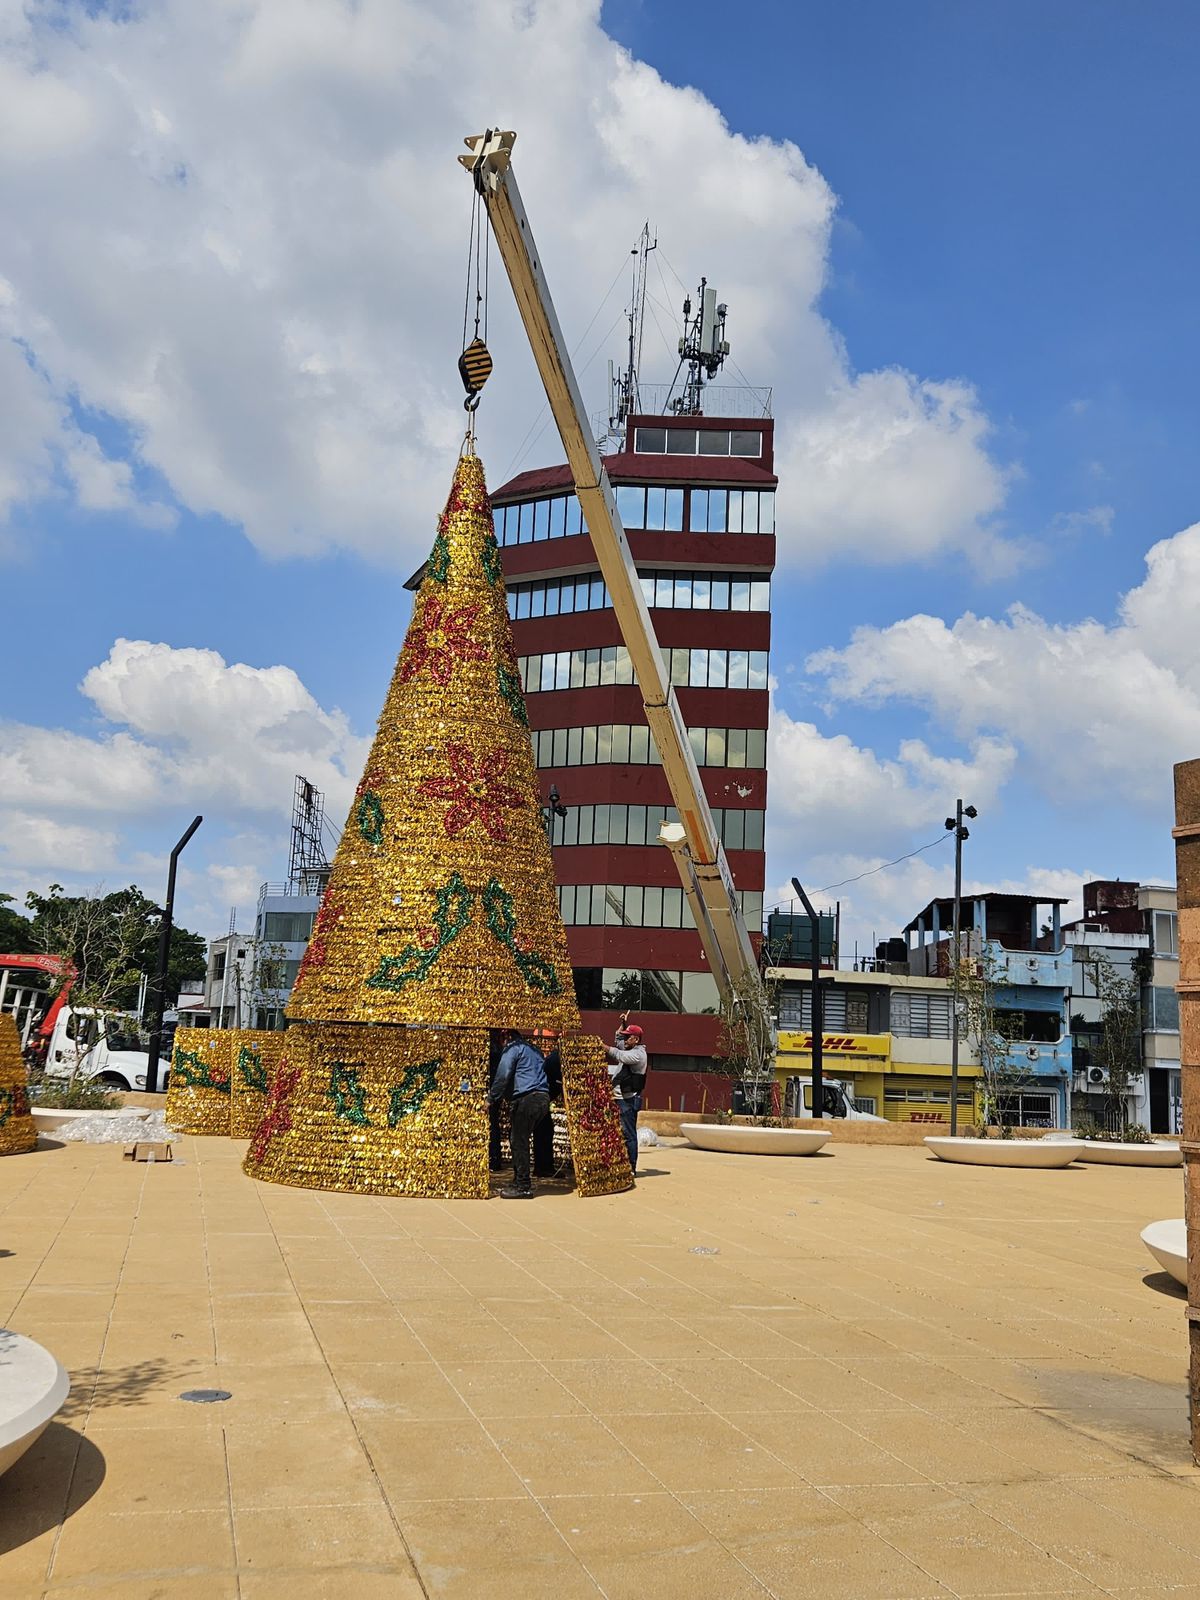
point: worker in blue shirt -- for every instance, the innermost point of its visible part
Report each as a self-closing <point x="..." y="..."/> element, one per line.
<point x="521" y="1076"/>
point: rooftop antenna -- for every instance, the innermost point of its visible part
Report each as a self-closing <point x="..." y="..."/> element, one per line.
<point x="703" y="349"/>
<point x="308" y="870"/>
<point x="626" y="401"/>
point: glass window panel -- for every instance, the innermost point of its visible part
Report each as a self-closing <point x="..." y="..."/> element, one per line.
<point x="574" y="746"/>
<point x="714" y="747"/>
<point x="682" y="600"/>
<point x="558" y="517"/>
<point x="597" y="597"/>
<point x="716" y="510"/>
<point x="604" y="744"/>
<point x="560" y="748"/>
<point x="682" y="442"/>
<point x="679" y="667"/>
<point x="573" y="515"/>
<point x="760" y="594"/>
<point x="588" y="758"/>
<point x="756" y="747"/>
<point x="720" y="594"/>
<point x="766" y="511"/>
<point x="758" y="669"/>
<point x="598" y="905"/>
<point x="591" y="670"/>
<point x="696" y="735"/>
<point x="650" y="441"/>
<point x="739" y="594"/>
<point x="634" y="906"/>
<point x="739" y="670"/>
<point x="511" y="599"/>
<point x="635" y="822"/>
<point x="498" y="518"/>
<point x="639" y="745"/>
<point x="562" y="670"/>
<point x="655" y="758"/>
<point x="620" y="743"/>
<point x="646" y="579"/>
<point x="537" y="600"/>
<point x="734" y="520"/>
<point x="750" y="511"/>
<point x="541" y="519"/>
<point x="631" y="505"/>
<point x="614" y="895"/>
<point x="733" y="834"/>
<point x="698" y="668"/>
<point x="718" y="661"/>
<point x="546" y="681"/>
<point x="664" y="591"/>
<point x="656" y="508"/>
<point x="603" y="816"/>
<point x="743" y="442"/>
<point x="652" y="908"/>
<point x="698" y="511"/>
<point x="735" y="747"/>
<point x="525" y="530"/>
<point x="672" y="914"/>
<point x="616" y="824"/>
<point x="700" y="994"/>
<point x="553" y="598"/>
<point x="713" y="442"/>
<point x="674" y="518"/>
<point x="754" y="830"/>
<point x="608" y="664"/>
<point x="701" y="594"/>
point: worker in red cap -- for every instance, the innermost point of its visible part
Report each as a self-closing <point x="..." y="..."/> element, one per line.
<point x="627" y="1067"/>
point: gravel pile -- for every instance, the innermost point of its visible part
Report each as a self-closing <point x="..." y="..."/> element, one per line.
<point x="121" y="1127"/>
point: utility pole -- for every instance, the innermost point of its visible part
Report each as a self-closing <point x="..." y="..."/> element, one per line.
<point x="818" y="1005"/>
<point x="164" y="953"/>
<point x="960" y="833"/>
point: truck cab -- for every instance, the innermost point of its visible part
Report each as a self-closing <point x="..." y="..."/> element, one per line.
<point x="837" y="1100"/>
<point x="105" y="1047"/>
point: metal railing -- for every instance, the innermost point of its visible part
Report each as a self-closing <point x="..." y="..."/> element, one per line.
<point x="720" y="400"/>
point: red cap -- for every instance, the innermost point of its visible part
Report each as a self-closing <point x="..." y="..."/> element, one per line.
<point x="632" y="1031"/>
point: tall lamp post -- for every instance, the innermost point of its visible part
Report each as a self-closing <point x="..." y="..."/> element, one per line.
<point x="818" y="1005"/>
<point x="960" y="834"/>
<point x="164" y="953"/>
<point x="553" y="808"/>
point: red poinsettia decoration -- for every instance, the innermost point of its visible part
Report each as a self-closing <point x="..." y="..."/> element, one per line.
<point x="278" y="1116"/>
<point x="476" y="791"/>
<point x="317" y="951"/>
<point x="441" y="638"/>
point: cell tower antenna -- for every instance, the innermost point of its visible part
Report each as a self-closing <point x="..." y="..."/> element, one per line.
<point x="702" y="349"/>
<point x="308" y="870"/>
<point x="626" y="402"/>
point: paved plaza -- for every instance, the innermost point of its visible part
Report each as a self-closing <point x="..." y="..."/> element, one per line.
<point x="860" y="1375"/>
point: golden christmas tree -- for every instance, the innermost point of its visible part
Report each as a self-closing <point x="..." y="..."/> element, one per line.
<point x="17" y="1130"/>
<point x="198" y="1093"/>
<point x="440" y="919"/>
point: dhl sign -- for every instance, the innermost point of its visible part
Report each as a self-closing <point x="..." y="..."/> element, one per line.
<point x="839" y="1044"/>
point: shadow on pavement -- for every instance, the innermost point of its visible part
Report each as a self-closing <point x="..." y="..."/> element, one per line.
<point x="62" y="1466"/>
<point x="1165" y="1284"/>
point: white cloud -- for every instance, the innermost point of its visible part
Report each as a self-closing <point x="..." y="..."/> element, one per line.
<point x="1111" y="706"/>
<point x="242" y="233"/>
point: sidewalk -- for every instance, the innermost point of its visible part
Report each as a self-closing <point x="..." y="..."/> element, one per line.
<point x="860" y="1375"/>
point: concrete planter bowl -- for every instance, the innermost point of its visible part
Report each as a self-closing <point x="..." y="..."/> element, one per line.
<point x="33" y="1389"/>
<point x="1006" y="1152"/>
<point x="47" y="1118"/>
<point x="1167" y="1243"/>
<point x="738" y="1140"/>
<point x="1131" y="1155"/>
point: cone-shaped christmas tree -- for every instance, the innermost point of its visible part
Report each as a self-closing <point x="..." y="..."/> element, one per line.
<point x="440" y="919"/>
<point x="17" y="1130"/>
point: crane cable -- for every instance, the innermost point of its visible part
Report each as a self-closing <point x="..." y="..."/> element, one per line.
<point x="475" y="362"/>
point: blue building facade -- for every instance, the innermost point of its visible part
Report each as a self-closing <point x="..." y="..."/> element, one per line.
<point x="1019" y="939"/>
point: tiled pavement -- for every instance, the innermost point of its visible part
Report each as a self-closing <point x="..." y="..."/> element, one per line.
<point x="862" y="1375"/>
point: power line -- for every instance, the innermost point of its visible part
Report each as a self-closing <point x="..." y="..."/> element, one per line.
<point x="941" y="839"/>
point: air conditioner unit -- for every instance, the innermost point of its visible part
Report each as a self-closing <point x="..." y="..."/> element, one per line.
<point x="1096" y="1075"/>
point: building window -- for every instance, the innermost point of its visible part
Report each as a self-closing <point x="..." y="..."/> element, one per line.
<point x="920" y="1016"/>
<point x="656" y="507"/>
<point x="218" y="966"/>
<point x="663" y="591"/>
<point x="732" y="511"/>
<point x="1161" y="1008"/>
<point x="561" y="516"/>
<point x="842" y="1004"/>
<point x="638" y="905"/>
<point x="631" y="745"/>
<point x="1165" y="934"/>
<point x="747" y="442"/>
<point x="623" y="824"/>
<point x="611" y="664"/>
<point x="286" y="927"/>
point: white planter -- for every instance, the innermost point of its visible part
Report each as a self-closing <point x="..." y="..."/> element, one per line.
<point x="33" y="1387"/>
<point x="1007" y="1152"/>
<point x="47" y="1118"/>
<point x="1167" y="1243"/>
<point x="735" y="1138"/>
<point x="1131" y="1155"/>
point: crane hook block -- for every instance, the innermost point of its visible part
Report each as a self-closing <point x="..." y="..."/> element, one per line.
<point x="475" y="367"/>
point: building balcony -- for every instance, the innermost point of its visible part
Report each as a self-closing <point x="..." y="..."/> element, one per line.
<point x="1030" y="969"/>
<point x="1041" y="1059"/>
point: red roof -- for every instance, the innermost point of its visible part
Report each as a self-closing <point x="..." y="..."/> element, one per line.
<point x="627" y="467"/>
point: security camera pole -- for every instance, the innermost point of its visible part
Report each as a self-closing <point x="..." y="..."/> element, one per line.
<point x="960" y="833"/>
<point x="164" y="956"/>
<point x="818" y="1005"/>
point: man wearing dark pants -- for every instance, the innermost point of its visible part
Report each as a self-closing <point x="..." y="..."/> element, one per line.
<point x="521" y="1074"/>
<point x="627" y="1067"/>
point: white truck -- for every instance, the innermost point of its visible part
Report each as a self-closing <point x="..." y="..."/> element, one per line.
<point x="107" y="1048"/>
<point x="837" y="1100"/>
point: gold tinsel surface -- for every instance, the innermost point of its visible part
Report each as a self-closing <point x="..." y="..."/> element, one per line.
<point x="198" y="1099"/>
<point x="253" y="1054"/>
<point x="17" y="1130"/>
<point x="593" y="1121"/>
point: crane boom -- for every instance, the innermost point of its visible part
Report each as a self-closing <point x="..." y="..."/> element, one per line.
<point x="694" y="841"/>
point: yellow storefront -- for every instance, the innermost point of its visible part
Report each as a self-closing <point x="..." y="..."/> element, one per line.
<point x="886" y="1075"/>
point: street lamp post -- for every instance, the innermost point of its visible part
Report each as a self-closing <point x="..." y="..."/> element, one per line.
<point x="164" y="953"/>
<point x="553" y="808"/>
<point x="818" y="1006"/>
<point x="960" y="833"/>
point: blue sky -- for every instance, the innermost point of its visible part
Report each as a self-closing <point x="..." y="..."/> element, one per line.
<point x="235" y="308"/>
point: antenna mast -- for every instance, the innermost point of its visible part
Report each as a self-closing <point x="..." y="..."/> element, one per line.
<point x="308" y="869"/>
<point x="703" y="347"/>
<point x="626" y="401"/>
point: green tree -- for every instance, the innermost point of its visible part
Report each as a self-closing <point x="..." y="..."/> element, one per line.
<point x="1119" y="1047"/>
<point x="976" y="978"/>
<point x="17" y="936"/>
